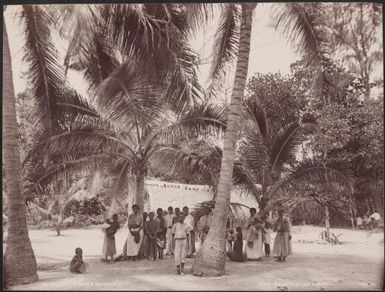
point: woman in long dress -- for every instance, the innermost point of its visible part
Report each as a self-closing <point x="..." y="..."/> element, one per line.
<point x="282" y="242"/>
<point x="135" y="234"/>
<point x="254" y="244"/>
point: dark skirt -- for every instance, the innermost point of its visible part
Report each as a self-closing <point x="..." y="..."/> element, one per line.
<point x="109" y="246"/>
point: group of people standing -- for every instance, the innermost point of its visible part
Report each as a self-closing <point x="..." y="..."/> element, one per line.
<point x="150" y="236"/>
<point x="170" y="233"/>
<point x="258" y="232"/>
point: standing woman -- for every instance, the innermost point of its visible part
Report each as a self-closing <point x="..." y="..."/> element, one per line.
<point x="135" y="225"/>
<point x="143" y="251"/>
<point x="282" y="242"/>
<point x="254" y="244"/>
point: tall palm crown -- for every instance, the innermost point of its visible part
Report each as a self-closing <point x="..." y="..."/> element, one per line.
<point x="143" y="100"/>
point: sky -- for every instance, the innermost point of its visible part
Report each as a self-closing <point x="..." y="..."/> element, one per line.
<point x="269" y="51"/>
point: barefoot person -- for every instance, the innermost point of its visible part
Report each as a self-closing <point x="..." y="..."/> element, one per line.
<point x="135" y="224"/>
<point x="180" y="231"/>
<point x="77" y="265"/>
<point x="254" y="245"/>
<point x="109" y="246"/>
<point x="282" y="242"/>
<point x="143" y="251"/>
<point x="151" y="230"/>
<point x="169" y="222"/>
<point x="189" y="220"/>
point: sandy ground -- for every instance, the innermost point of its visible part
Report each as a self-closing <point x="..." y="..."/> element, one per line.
<point x="357" y="264"/>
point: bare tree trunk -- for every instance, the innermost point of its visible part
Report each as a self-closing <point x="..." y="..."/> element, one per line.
<point x="19" y="262"/>
<point x="211" y="258"/>
<point x="327" y="224"/>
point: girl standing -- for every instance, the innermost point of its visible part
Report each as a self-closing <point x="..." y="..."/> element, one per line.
<point x="282" y="242"/>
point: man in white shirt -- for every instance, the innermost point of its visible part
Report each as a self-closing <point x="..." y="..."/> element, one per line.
<point x="189" y="220"/>
<point x="168" y="222"/>
<point x="180" y="231"/>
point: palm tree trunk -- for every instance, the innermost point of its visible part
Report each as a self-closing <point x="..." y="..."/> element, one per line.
<point x="139" y="189"/>
<point x="19" y="262"/>
<point x="211" y="258"/>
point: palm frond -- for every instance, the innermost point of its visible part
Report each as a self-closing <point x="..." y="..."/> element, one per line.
<point x="225" y="45"/>
<point x="237" y="210"/>
<point x="257" y="114"/>
<point x="286" y="144"/>
<point x="300" y="23"/>
<point x="244" y="181"/>
<point x="200" y="160"/>
<point x="198" y="121"/>
<point x="134" y="30"/>
<point x="312" y="172"/>
<point x="255" y="155"/>
<point x="182" y="85"/>
<point x="198" y="14"/>
<point x="121" y="182"/>
<point x="126" y="98"/>
<point x="44" y="75"/>
<point x="77" y="143"/>
<point x="58" y="172"/>
<point x="97" y="60"/>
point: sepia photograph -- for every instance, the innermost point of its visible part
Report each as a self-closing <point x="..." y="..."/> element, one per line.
<point x="193" y="146"/>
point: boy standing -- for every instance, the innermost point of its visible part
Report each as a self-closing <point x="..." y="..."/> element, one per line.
<point x="179" y="232"/>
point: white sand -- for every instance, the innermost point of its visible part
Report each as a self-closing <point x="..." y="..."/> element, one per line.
<point x="356" y="264"/>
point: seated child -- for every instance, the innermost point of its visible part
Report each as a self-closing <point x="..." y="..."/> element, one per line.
<point x="237" y="254"/>
<point x="77" y="265"/>
<point x="109" y="246"/>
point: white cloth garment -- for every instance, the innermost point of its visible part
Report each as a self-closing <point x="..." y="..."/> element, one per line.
<point x="180" y="251"/>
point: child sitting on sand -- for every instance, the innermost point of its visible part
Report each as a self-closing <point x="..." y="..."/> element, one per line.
<point x="77" y="265"/>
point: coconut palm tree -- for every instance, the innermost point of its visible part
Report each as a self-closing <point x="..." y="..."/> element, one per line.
<point x="108" y="46"/>
<point x="19" y="261"/>
<point x="266" y="167"/>
<point x="301" y="27"/>
<point x="145" y="125"/>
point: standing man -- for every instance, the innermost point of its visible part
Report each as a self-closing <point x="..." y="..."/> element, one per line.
<point x="174" y="220"/>
<point x="169" y="218"/>
<point x="189" y="220"/>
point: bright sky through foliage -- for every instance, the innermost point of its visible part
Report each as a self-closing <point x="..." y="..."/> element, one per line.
<point x="269" y="49"/>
